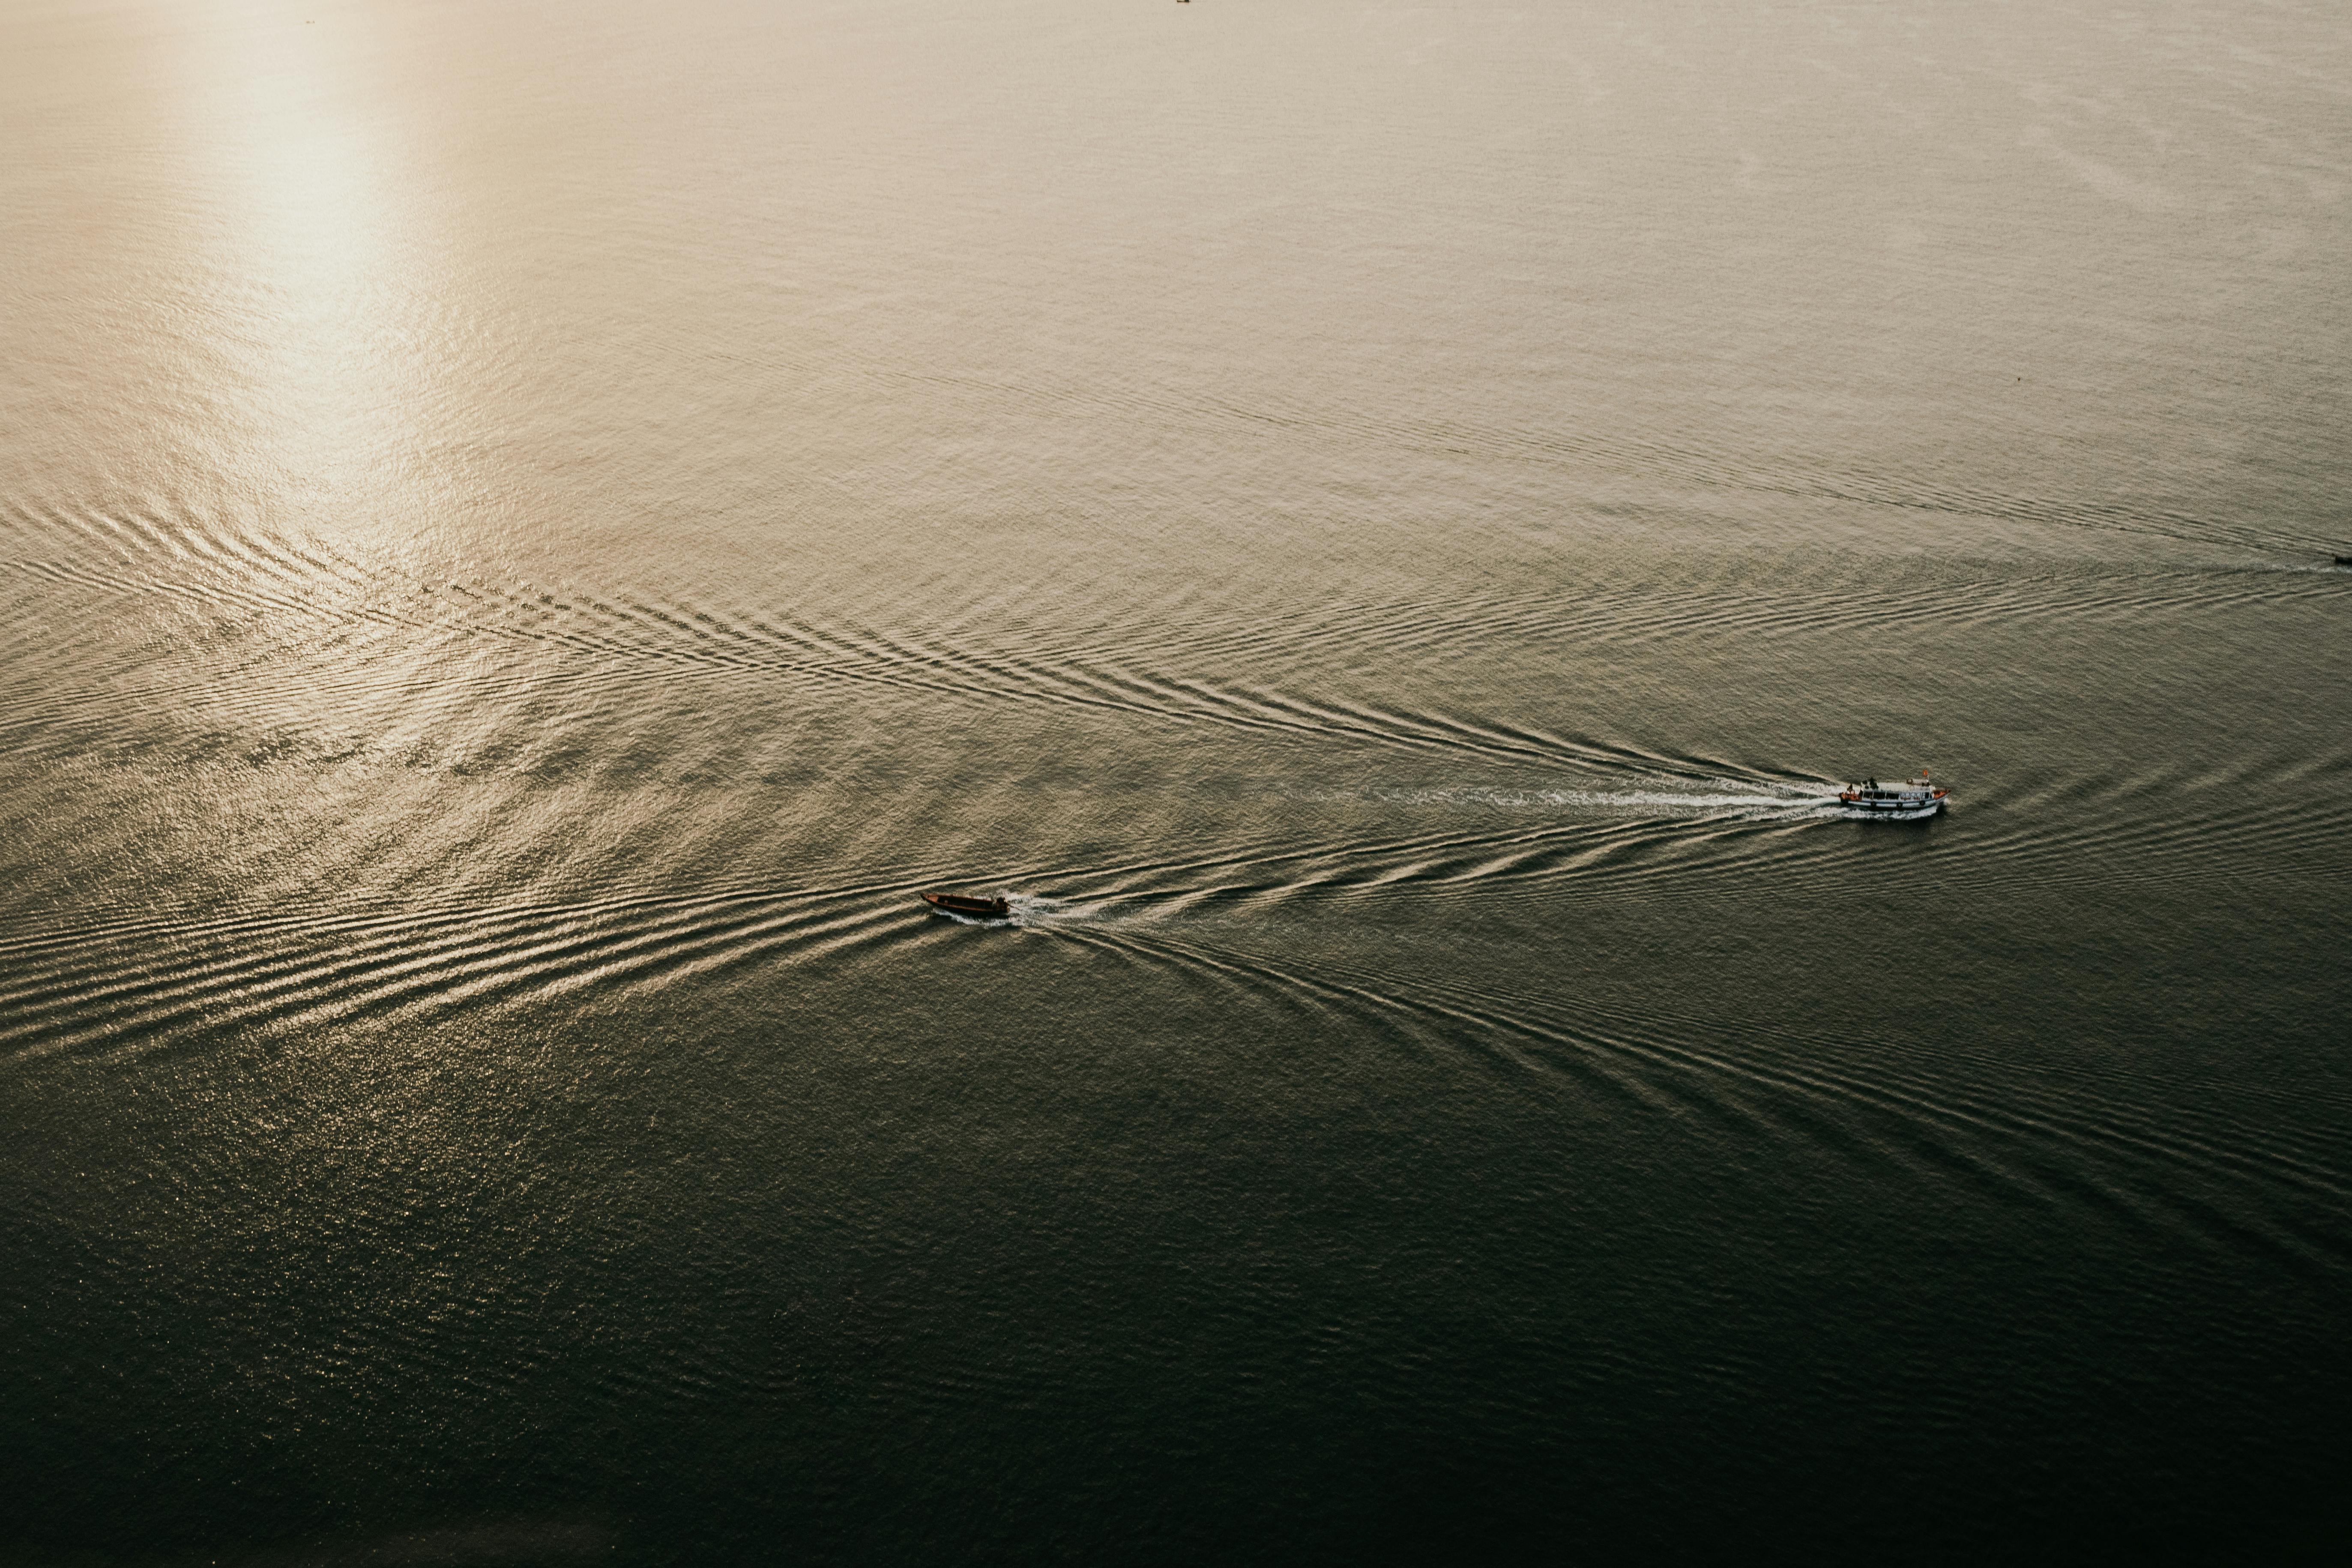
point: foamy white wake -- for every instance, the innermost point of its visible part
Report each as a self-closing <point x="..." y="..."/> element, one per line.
<point x="1735" y="799"/>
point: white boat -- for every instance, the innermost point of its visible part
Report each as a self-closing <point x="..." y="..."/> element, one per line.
<point x="1912" y="797"/>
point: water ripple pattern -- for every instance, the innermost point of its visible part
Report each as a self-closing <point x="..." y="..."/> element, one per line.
<point x="1380" y="531"/>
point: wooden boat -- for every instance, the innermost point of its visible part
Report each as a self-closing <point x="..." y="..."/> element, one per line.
<point x="974" y="909"/>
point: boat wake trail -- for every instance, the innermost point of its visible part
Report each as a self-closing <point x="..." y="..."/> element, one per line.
<point x="1736" y="798"/>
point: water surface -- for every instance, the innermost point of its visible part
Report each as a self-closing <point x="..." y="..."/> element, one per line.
<point x="528" y="534"/>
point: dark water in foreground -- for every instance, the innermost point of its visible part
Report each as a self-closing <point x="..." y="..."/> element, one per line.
<point x="527" y="534"/>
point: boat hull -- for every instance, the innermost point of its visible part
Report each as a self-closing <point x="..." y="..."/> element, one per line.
<point x="1894" y="803"/>
<point x="969" y="907"/>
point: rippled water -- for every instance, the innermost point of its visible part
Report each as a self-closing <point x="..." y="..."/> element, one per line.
<point x="529" y="534"/>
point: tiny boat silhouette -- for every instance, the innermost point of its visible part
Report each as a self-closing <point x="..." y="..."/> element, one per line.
<point x="1911" y="795"/>
<point x="2343" y="561"/>
<point x="960" y="904"/>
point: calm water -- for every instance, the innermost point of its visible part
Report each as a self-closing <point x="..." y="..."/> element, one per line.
<point x="529" y="532"/>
